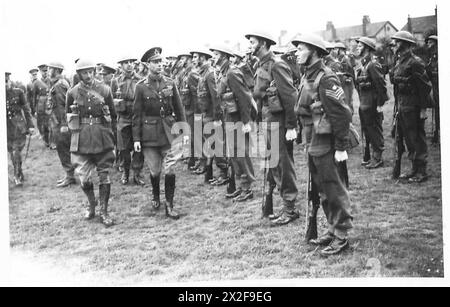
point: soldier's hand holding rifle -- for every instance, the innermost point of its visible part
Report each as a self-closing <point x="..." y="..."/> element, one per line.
<point x="137" y="146"/>
<point x="291" y="135"/>
<point x="340" y="156"/>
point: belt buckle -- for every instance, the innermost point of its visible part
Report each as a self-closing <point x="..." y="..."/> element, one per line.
<point x="161" y="113"/>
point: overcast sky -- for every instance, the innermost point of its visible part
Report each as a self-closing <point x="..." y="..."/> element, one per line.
<point x="39" y="31"/>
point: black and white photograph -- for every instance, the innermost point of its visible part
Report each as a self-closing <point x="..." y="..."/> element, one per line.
<point x="223" y="143"/>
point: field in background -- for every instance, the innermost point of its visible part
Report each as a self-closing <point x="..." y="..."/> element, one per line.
<point x="398" y="227"/>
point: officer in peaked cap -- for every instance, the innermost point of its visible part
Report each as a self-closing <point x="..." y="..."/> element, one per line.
<point x="40" y="95"/>
<point x="157" y="107"/>
<point x="123" y="89"/>
<point x="276" y="100"/>
<point x="30" y="97"/>
<point x="411" y="84"/>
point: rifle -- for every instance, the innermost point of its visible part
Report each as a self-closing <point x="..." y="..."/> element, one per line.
<point x="365" y="145"/>
<point x="311" y="209"/>
<point x="398" y="148"/>
<point x="343" y="172"/>
<point x="266" y="210"/>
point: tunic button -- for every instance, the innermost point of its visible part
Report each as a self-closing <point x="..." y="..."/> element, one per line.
<point x="89" y="108"/>
<point x="90" y="116"/>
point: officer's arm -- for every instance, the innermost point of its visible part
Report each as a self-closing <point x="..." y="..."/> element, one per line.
<point x="137" y="114"/>
<point x="110" y="103"/>
<point x="193" y="85"/>
<point x="286" y="91"/>
<point x="178" y="105"/>
<point x="212" y="88"/>
<point x="242" y="94"/>
<point x="332" y="97"/>
<point x="60" y="100"/>
<point x="26" y="109"/>
<point x="421" y="82"/>
<point x="375" y="71"/>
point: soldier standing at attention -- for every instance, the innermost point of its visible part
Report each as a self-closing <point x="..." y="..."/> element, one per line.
<point x="236" y="102"/>
<point x="40" y="96"/>
<point x="30" y="94"/>
<point x="410" y="82"/>
<point x="157" y="106"/>
<point x="123" y="89"/>
<point x="60" y="131"/>
<point x="19" y="124"/>
<point x="90" y="115"/>
<point x="107" y="73"/>
<point x="329" y="141"/>
<point x="347" y="74"/>
<point x="372" y="95"/>
<point x="273" y="83"/>
<point x="433" y="75"/>
<point x="187" y="84"/>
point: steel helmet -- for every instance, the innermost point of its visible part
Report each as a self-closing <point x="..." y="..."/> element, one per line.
<point x="433" y="37"/>
<point x="84" y="64"/>
<point x="340" y="45"/>
<point x="203" y="52"/>
<point x="367" y="41"/>
<point x="126" y="59"/>
<point x="239" y="55"/>
<point x="278" y="50"/>
<point x="311" y="39"/>
<point x="263" y="35"/>
<point x="184" y="54"/>
<point x="223" y="49"/>
<point x="404" y="36"/>
<point x="56" y="65"/>
<point x="329" y="45"/>
<point x="32" y="70"/>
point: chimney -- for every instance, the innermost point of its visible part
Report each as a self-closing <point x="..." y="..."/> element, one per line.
<point x="365" y="22"/>
<point x="330" y="28"/>
<point x="409" y="25"/>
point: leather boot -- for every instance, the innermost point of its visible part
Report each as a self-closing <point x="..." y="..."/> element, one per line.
<point x="170" y="192"/>
<point x="17" y="180"/>
<point x="20" y="172"/>
<point x="66" y="181"/>
<point x="231" y="187"/>
<point x="138" y="178"/>
<point x="412" y="173"/>
<point x="104" y="191"/>
<point x="421" y="174"/>
<point x="156" y="191"/>
<point x="88" y="189"/>
<point x="268" y="204"/>
<point x="191" y="162"/>
<point x="125" y="176"/>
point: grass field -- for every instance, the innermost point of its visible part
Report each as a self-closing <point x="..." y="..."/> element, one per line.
<point x="397" y="226"/>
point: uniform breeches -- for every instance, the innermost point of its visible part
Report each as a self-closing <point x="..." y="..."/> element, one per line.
<point x="15" y="148"/>
<point x="283" y="174"/>
<point x="239" y="153"/>
<point x="86" y="163"/>
<point x="126" y="146"/>
<point x="332" y="191"/>
<point x="42" y="121"/>
<point x="163" y="158"/>
<point x="372" y="126"/>
<point x="413" y="129"/>
<point x="62" y="141"/>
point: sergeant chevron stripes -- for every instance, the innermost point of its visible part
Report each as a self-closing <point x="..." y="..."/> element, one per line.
<point x="335" y="93"/>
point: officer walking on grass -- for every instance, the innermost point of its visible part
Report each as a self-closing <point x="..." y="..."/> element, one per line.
<point x="19" y="124"/>
<point x="331" y="117"/>
<point x="90" y="117"/>
<point x="157" y="106"/>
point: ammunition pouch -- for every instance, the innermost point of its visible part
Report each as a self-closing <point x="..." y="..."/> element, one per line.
<point x="229" y="102"/>
<point x="273" y="101"/>
<point x="320" y="120"/>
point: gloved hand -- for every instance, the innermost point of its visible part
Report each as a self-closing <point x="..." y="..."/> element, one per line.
<point x="64" y="129"/>
<point x="137" y="146"/>
<point x="31" y="131"/>
<point x="186" y="139"/>
<point x="379" y="109"/>
<point x="217" y="123"/>
<point x="340" y="156"/>
<point x="423" y="114"/>
<point x="291" y="134"/>
<point x="247" y="128"/>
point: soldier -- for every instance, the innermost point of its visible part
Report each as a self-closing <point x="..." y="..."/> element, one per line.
<point x="328" y="140"/>
<point x="40" y="96"/>
<point x="347" y="74"/>
<point x="90" y="116"/>
<point x="187" y="84"/>
<point x="433" y="75"/>
<point x="142" y="70"/>
<point x="208" y="112"/>
<point x="30" y="94"/>
<point x="246" y="68"/>
<point x="107" y="74"/>
<point x="273" y="83"/>
<point x="19" y="124"/>
<point x="372" y="95"/>
<point x="237" y="103"/>
<point x="57" y="109"/>
<point x="157" y="106"/>
<point x="412" y="89"/>
<point x="123" y="89"/>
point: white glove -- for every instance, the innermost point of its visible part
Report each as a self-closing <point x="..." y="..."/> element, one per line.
<point x="247" y="128"/>
<point x="185" y="139"/>
<point x="137" y="146"/>
<point x="379" y="109"/>
<point x="64" y="129"/>
<point x="291" y="134"/>
<point x="217" y="123"/>
<point x="31" y="131"/>
<point x="340" y="156"/>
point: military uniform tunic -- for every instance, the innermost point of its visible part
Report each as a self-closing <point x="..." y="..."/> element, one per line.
<point x="40" y="96"/>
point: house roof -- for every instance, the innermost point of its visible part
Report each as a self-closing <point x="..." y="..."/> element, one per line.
<point x="422" y="24"/>
<point x="356" y="31"/>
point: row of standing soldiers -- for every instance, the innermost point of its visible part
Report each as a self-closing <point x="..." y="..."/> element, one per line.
<point x="135" y="116"/>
